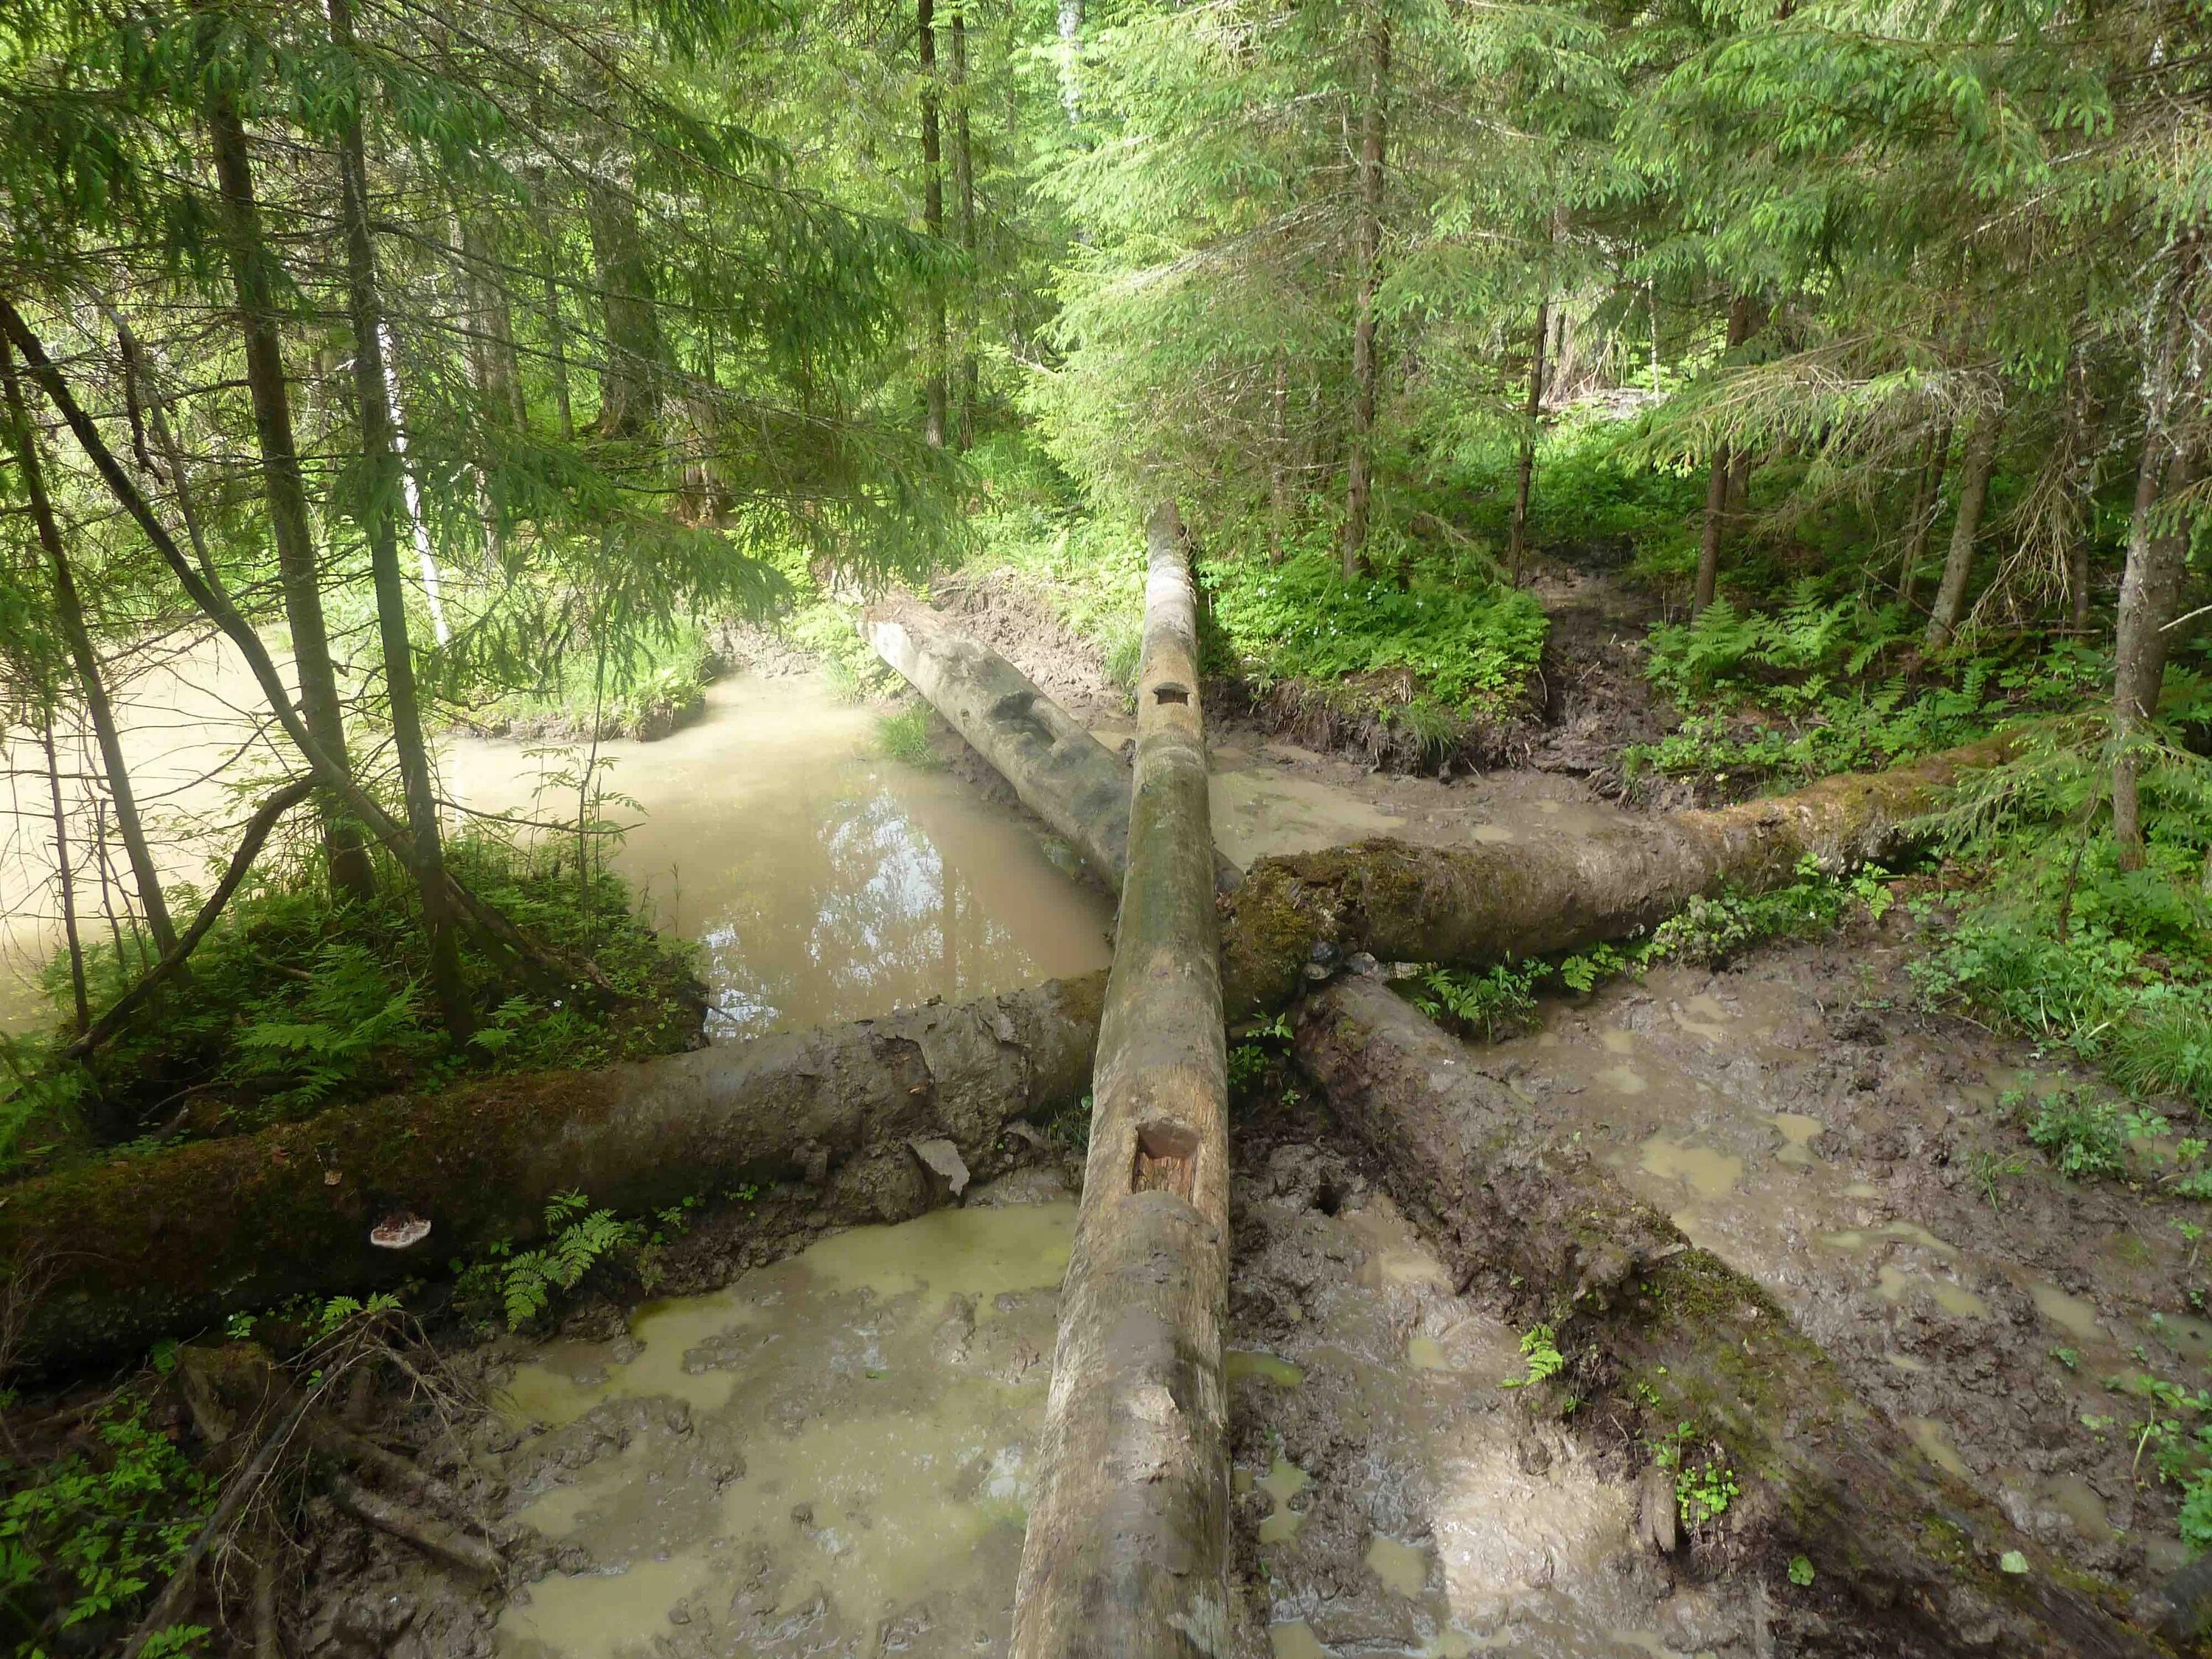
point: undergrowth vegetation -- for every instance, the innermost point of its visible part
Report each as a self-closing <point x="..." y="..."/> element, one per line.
<point x="1434" y="639"/>
<point x="295" y="1002"/>
<point x="1773" y="699"/>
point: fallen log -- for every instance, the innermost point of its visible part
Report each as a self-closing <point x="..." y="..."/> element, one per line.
<point x="1077" y="785"/>
<point x="126" y="1250"/>
<point x="1127" y="1552"/>
<point x="1472" y="905"/>
<point x="157" y="1245"/>
<point x="1688" y="1340"/>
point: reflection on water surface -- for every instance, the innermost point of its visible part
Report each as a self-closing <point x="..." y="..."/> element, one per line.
<point x="821" y="884"/>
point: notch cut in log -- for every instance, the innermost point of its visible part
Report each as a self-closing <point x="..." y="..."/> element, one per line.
<point x="1127" y="1553"/>
<point x="1078" y="786"/>
<point x="112" y="1255"/>
<point x="1505" y="1194"/>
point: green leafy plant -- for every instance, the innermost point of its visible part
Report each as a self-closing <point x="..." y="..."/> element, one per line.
<point x="523" y="1286"/>
<point x="83" y="1537"/>
<point x="1540" y="1348"/>
<point x="1706" y="1492"/>
<point x="1487" y="1005"/>
<point x="2083" y="1137"/>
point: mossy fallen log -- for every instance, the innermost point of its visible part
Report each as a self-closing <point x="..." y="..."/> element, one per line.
<point x="150" y="1246"/>
<point x="98" y="1260"/>
<point x="1468" y="906"/>
<point x="1126" y="1551"/>
<point x="1905" y="1553"/>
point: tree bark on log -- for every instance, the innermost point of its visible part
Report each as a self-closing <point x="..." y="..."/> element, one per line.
<point x="122" y="1252"/>
<point x="1470" y="905"/>
<point x="1127" y="1552"/>
<point x="1508" y="1195"/>
<point x="1077" y="785"/>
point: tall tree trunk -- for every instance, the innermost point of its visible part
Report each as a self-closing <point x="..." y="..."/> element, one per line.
<point x="933" y="222"/>
<point x="963" y="189"/>
<point x="1927" y="504"/>
<point x="250" y="276"/>
<point x="1280" y="460"/>
<point x="381" y="463"/>
<point x="556" y="325"/>
<point x="1975" y="467"/>
<point x="556" y="353"/>
<point x="69" y="609"/>
<point x="1717" y="481"/>
<point x="1127" y="1548"/>
<point x="1366" y="371"/>
<point x="2158" y="562"/>
<point x="65" y="875"/>
<point x="630" y="372"/>
<point x="1517" y="545"/>
<point x="493" y="362"/>
<point x="410" y="487"/>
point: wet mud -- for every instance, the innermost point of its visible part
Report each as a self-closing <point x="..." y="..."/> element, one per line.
<point x="1395" y="1495"/>
<point x="1795" y="1116"/>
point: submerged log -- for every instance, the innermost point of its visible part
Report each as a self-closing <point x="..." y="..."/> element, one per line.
<point x="1077" y="785"/>
<point x="1468" y="906"/>
<point x="1127" y="1543"/>
<point x="98" y="1261"/>
<point x="1506" y="1194"/>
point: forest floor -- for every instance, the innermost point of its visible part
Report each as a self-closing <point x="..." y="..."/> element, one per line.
<point x="1796" y="1107"/>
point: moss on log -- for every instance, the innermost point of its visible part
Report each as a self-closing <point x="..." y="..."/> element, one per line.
<point x="1475" y="904"/>
<point x="1913" y="1552"/>
<point x="100" y="1260"/>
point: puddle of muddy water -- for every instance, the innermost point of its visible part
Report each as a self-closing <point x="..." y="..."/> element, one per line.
<point x="821" y="883"/>
<point x="1435" y="1517"/>
<point x="850" y="1455"/>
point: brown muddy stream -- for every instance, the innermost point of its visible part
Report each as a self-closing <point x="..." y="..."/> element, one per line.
<point x="822" y="882"/>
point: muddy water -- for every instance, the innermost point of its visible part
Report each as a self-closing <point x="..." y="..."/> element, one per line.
<point x="184" y="719"/>
<point x="832" y="1455"/>
<point x="1271" y="797"/>
<point x="822" y="882"/>
<point x="1394" y="1498"/>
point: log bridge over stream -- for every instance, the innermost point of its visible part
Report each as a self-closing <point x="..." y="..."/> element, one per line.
<point x="1127" y="1550"/>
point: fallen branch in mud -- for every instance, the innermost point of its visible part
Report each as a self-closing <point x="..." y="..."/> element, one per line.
<point x="1127" y="1550"/>
<point x="176" y="1596"/>
<point x="1506" y="1194"/>
<point x="138" y="1248"/>
<point x="249" y="848"/>
<point x="1472" y="905"/>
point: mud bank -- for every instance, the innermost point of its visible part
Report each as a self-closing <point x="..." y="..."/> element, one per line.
<point x="1794" y="1116"/>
